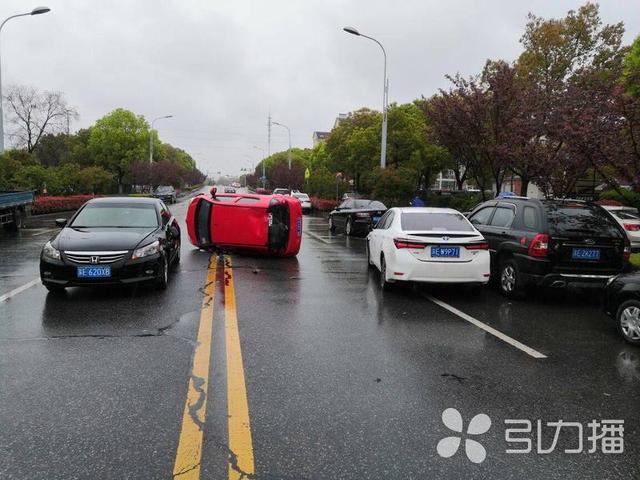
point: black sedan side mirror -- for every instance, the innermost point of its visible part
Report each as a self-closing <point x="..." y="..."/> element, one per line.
<point x="173" y="231"/>
<point x="61" y="222"/>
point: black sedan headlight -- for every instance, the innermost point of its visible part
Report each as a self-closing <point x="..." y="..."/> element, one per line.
<point x="147" y="250"/>
<point x="48" y="251"/>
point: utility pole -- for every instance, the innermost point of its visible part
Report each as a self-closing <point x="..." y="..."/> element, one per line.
<point x="268" y="147"/>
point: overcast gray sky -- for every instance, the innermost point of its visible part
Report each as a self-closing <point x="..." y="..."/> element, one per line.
<point x="220" y="66"/>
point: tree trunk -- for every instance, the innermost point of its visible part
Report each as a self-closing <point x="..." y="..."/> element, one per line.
<point x="524" y="185"/>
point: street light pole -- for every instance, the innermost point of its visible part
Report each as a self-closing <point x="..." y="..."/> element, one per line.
<point x="289" y="151"/>
<point x="385" y="96"/>
<point x="151" y="136"/>
<point x="35" y="11"/>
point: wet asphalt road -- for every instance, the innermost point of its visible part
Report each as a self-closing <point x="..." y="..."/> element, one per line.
<point x="342" y="381"/>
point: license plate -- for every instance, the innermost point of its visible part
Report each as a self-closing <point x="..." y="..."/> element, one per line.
<point x="94" y="272"/>
<point x="450" y="252"/>
<point x="585" y="254"/>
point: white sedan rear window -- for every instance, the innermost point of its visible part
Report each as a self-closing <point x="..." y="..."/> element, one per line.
<point x="441" y="222"/>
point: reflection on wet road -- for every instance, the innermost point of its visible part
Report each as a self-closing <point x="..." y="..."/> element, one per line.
<point x="341" y="380"/>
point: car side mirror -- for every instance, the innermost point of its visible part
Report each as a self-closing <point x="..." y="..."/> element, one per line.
<point x="174" y="231"/>
<point x="61" y="222"/>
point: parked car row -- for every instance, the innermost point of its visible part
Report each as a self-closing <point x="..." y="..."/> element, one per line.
<point x="303" y="198"/>
<point x="518" y="242"/>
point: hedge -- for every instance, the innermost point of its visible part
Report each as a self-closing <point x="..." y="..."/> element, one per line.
<point x="47" y="204"/>
<point x="322" y="204"/>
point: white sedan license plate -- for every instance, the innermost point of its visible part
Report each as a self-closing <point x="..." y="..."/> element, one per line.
<point x="445" y="252"/>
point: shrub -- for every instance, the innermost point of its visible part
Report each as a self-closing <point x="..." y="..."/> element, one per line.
<point x="461" y="201"/>
<point x="322" y="204"/>
<point x="393" y="186"/>
<point x="628" y="197"/>
<point x="46" y="204"/>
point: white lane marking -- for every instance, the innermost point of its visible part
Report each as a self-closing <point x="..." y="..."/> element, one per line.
<point x="48" y="230"/>
<point x="505" y="338"/>
<point x="16" y="291"/>
<point x="317" y="237"/>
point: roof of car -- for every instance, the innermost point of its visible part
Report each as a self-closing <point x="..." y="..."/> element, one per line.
<point x="428" y="210"/>
<point x="148" y="200"/>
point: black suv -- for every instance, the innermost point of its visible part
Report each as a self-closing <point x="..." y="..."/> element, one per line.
<point x="550" y="243"/>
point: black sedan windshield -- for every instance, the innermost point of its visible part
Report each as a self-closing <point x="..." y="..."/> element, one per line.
<point x="122" y="216"/>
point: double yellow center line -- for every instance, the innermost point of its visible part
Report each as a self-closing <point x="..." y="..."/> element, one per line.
<point x="189" y="452"/>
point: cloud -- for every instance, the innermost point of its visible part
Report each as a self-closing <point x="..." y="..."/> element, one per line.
<point x="220" y="67"/>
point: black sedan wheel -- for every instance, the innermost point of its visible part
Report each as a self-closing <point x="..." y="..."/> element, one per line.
<point x="348" y="228"/>
<point x="628" y="319"/>
<point x="55" y="289"/>
<point x="163" y="280"/>
<point x="176" y="259"/>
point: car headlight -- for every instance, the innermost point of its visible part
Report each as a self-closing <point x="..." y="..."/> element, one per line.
<point x="50" y="252"/>
<point x="147" y="250"/>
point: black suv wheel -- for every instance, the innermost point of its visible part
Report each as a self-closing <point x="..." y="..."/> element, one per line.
<point x="509" y="280"/>
<point x="628" y="321"/>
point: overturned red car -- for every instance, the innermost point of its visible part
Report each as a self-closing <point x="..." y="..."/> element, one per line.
<point x="266" y="224"/>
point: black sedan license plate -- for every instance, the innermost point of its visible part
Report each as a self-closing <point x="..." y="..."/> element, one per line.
<point x="94" y="272"/>
<point x="585" y="254"/>
<point x="444" y="252"/>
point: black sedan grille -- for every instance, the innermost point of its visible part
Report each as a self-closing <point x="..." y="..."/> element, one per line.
<point x="95" y="258"/>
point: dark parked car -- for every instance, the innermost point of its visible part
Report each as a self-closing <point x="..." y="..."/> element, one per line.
<point x="166" y="193"/>
<point x="356" y="216"/>
<point x="622" y="303"/>
<point x="550" y="243"/>
<point x="112" y="241"/>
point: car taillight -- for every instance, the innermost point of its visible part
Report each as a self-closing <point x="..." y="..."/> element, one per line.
<point x="627" y="249"/>
<point x="631" y="227"/>
<point x="539" y="246"/>
<point x="477" y="246"/>
<point x="400" y="243"/>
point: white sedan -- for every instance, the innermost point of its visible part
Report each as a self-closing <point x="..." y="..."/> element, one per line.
<point x="628" y="219"/>
<point x="436" y="245"/>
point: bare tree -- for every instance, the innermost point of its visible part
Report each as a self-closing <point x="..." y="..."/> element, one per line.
<point x="34" y="114"/>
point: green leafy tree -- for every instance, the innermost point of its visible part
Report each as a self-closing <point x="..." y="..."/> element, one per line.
<point x="631" y="69"/>
<point x="52" y="149"/>
<point x="117" y="140"/>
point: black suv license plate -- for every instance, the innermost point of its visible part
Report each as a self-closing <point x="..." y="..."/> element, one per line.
<point x="586" y="254"/>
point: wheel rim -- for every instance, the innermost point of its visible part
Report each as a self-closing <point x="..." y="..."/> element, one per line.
<point x="630" y="323"/>
<point x="165" y="272"/>
<point x="508" y="278"/>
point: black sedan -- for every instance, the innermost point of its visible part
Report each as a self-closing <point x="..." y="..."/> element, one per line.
<point x="622" y="303"/>
<point x="112" y="241"/>
<point x="356" y="216"/>
<point x="166" y="193"/>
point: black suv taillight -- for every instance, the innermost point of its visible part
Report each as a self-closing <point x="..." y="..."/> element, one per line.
<point x="539" y="246"/>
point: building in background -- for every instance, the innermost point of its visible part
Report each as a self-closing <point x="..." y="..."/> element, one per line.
<point x="319" y="137"/>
